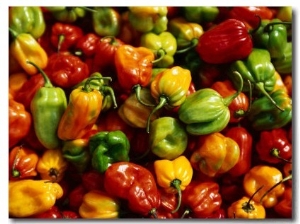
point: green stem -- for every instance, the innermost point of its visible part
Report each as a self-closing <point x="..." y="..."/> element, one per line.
<point x="61" y="39"/>
<point x="111" y="93"/>
<point x="193" y="44"/>
<point x="275" y="153"/>
<point x="13" y="32"/>
<point x="176" y="184"/>
<point x="229" y="99"/>
<point x="163" y="100"/>
<point x="48" y="83"/>
<point x="86" y="86"/>
<point x="247" y="206"/>
<point x="137" y="89"/>
<point x="160" y="55"/>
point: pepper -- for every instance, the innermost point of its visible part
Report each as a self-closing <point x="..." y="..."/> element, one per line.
<point x="135" y="184"/>
<point x="226" y="42"/>
<point x="200" y="14"/>
<point x="25" y="48"/>
<point x="47" y="108"/>
<point x="206" y="111"/>
<point x="98" y="204"/>
<point x="86" y="45"/>
<point x="186" y="33"/>
<point x="174" y="175"/>
<point x="164" y="46"/>
<point x="284" y="206"/>
<point x="201" y="199"/>
<point x="215" y="154"/>
<point x="285" y="13"/>
<point x="107" y="147"/>
<point x="273" y="146"/>
<point x="52" y="165"/>
<point x="265" y="116"/>
<point x="284" y="64"/>
<point x="16" y="81"/>
<point x="168" y="204"/>
<point x="22" y="163"/>
<point x="23" y="19"/>
<point x="168" y="138"/>
<point x="148" y="19"/>
<point x="20" y="121"/>
<point x="266" y="176"/>
<point x="31" y="197"/>
<point x="106" y="21"/>
<point x="67" y="14"/>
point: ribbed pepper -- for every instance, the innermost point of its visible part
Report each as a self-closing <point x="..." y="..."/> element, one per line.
<point x="164" y="46"/>
<point x="23" y="19"/>
<point x="67" y="14"/>
<point x="174" y="175"/>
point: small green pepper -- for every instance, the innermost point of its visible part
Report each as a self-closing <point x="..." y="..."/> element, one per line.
<point x="200" y="14"/>
<point x="67" y="14"/>
<point x="107" y="148"/>
<point x="284" y="64"/>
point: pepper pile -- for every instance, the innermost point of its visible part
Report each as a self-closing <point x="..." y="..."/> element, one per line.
<point x="150" y="112"/>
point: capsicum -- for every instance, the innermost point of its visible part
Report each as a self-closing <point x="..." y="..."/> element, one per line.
<point x="66" y="14"/>
<point x="200" y="14"/>
<point x="107" y="147"/>
<point x="284" y="65"/>
<point x="284" y="206"/>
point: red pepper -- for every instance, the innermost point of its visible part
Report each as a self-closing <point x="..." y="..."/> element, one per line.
<point x="135" y="184"/>
<point x="66" y="70"/>
<point x="93" y="180"/>
<point x="76" y="197"/>
<point x="52" y="213"/>
<point x="64" y="36"/>
<point x="168" y="204"/>
<point x="244" y="139"/>
<point x="226" y="42"/>
<point x="284" y="206"/>
<point x="86" y="45"/>
<point x="274" y="146"/>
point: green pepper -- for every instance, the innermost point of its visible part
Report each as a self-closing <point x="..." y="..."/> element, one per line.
<point x="30" y="20"/>
<point x="200" y="14"/>
<point x="264" y="116"/>
<point x="77" y="153"/>
<point x="284" y="65"/>
<point x="107" y="148"/>
<point x="106" y="21"/>
<point x="47" y="107"/>
<point x="163" y="45"/>
<point x="148" y="19"/>
<point x="259" y="70"/>
<point x="67" y="14"/>
<point x="206" y="111"/>
<point x="168" y="138"/>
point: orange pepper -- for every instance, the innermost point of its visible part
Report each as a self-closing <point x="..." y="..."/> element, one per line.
<point x="16" y="81"/>
<point x="288" y="82"/>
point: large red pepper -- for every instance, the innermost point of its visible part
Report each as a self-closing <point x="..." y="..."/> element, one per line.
<point x="86" y="45"/>
<point x="135" y="184"/>
<point x="274" y="146"/>
<point x="284" y="206"/>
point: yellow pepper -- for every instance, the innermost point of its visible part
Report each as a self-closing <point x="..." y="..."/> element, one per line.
<point x="97" y="204"/>
<point x="52" y="165"/>
<point x="174" y="175"/>
<point x="30" y="197"/>
<point x="279" y="84"/>
<point x="266" y="176"/>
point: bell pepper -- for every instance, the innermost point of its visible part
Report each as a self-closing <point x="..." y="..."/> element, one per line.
<point x="200" y="14"/>
<point x="86" y="45"/>
<point x="108" y="147"/>
<point x="169" y="88"/>
<point x="76" y="152"/>
<point x="99" y="205"/>
<point x="266" y="176"/>
<point x="22" y="163"/>
<point x="31" y="197"/>
<point x="148" y="19"/>
<point x="201" y="199"/>
<point x="174" y="176"/>
<point x="265" y="116"/>
<point x="47" y="108"/>
<point x="16" y="81"/>
<point x="52" y="165"/>
<point x="215" y="154"/>
<point x="67" y="14"/>
<point x="206" y="111"/>
<point x="106" y="21"/>
<point x="226" y="42"/>
<point x="245" y="141"/>
<point x="23" y="19"/>
<point x="168" y="138"/>
<point x="239" y="106"/>
<point x="284" y="64"/>
<point x="25" y="48"/>
<point x="135" y="184"/>
<point x="284" y="207"/>
<point x="164" y="46"/>
<point x="82" y="112"/>
<point x="168" y="204"/>
<point x="285" y="13"/>
<point x="273" y="146"/>
<point x="19" y="120"/>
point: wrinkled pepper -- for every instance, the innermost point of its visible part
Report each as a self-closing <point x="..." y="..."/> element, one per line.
<point x="265" y="116"/>
<point x="31" y="197"/>
<point x="284" y="65"/>
<point x="47" y="108"/>
<point x="168" y="138"/>
<point x="200" y="14"/>
<point x="22" y="163"/>
<point x="52" y="165"/>
<point x="98" y="204"/>
<point x="135" y="184"/>
<point x="215" y="154"/>
<point x="67" y="14"/>
<point x="206" y="111"/>
<point x="107" y="147"/>
<point x="164" y="46"/>
<point x="148" y="19"/>
<point x="85" y="46"/>
<point x="285" y="206"/>
<point x="174" y="176"/>
<point x="23" y="19"/>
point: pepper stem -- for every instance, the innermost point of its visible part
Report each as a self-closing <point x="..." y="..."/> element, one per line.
<point x="247" y="206"/>
<point x="176" y="184"/>
<point x="229" y="99"/>
<point x="153" y="212"/>
<point x="186" y="212"/>
<point x="86" y="86"/>
<point x="194" y="42"/>
<point x="275" y="153"/>
<point x="61" y="39"/>
<point x="111" y="93"/>
<point x="46" y="78"/>
<point x="160" y="55"/>
<point x="242" y="113"/>
<point x="137" y="89"/>
<point x="163" y="100"/>
<point x="15" y="172"/>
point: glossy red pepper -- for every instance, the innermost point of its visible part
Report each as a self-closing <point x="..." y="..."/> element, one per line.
<point x="226" y="42"/>
<point x="168" y="204"/>
<point x="86" y="45"/>
<point x="284" y="207"/>
<point x="273" y="146"/>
